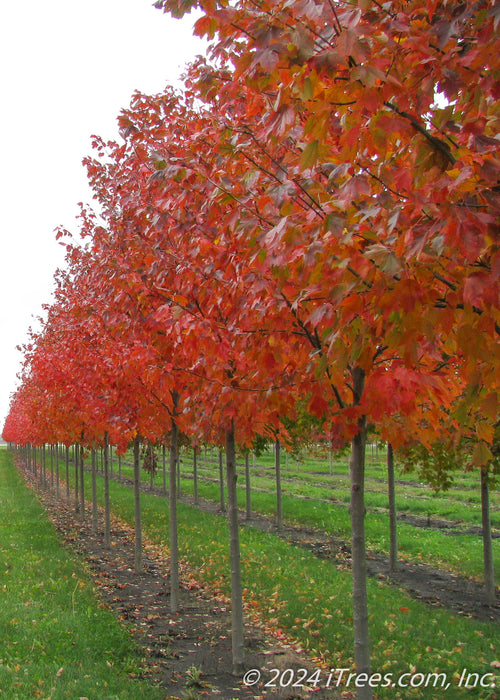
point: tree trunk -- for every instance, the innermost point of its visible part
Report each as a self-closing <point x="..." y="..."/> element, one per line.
<point x="221" y="483"/>
<point x="66" y="461"/>
<point x="248" y="488"/>
<point x="234" y="546"/>
<point x="77" y="480"/>
<point x="164" y="467"/>
<point x="107" y="511"/>
<point x="79" y="452"/>
<point x="95" y="523"/>
<point x="195" y="475"/>
<point x="393" y="528"/>
<point x="279" y="498"/>
<point x="489" y="574"/>
<point x="152" y="472"/>
<point x="360" y="599"/>
<point x="172" y="499"/>
<point x="137" y="507"/>
<point x="58" y="493"/>
<point x="51" y="448"/>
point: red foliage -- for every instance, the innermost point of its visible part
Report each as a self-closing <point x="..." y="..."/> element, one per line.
<point x="308" y="207"/>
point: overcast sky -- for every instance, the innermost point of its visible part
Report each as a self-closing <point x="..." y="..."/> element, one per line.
<point x="68" y="69"/>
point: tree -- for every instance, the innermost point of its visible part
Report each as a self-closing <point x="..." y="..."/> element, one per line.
<point x="407" y="221"/>
<point x="307" y="221"/>
<point x="438" y="465"/>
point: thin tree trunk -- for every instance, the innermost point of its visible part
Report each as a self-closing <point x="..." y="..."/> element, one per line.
<point x="66" y="462"/>
<point x="152" y="472"/>
<point x="221" y="483"/>
<point x="393" y="528"/>
<point x="95" y="523"/>
<point x="279" y="496"/>
<point x="195" y="475"/>
<point x="489" y="573"/>
<point x="164" y="467"/>
<point x="234" y="545"/>
<point x="79" y="452"/>
<point x="248" y="488"/>
<point x="107" y="511"/>
<point x="360" y="598"/>
<point x="58" y="493"/>
<point x="178" y="472"/>
<point x="137" y="507"/>
<point x="51" y="448"/>
<point x="77" y="480"/>
<point x="172" y="499"/>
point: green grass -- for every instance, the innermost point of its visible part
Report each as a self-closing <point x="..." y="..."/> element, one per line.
<point x="460" y="503"/>
<point x="56" y="640"/>
<point x="311" y="600"/>
<point x="313" y="479"/>
<point x="461" y="553"/>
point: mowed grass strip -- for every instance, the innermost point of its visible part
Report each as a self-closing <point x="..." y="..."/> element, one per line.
<point x="460" y="553"/>
<point x="311" y="600"/>
<point x="56" y="640"/>
<point x="461" y="504"/>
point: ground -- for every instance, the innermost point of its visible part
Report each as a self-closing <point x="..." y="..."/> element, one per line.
<point x="178" y="645"/>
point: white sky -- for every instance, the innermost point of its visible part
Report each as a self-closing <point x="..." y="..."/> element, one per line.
<point x="67" y="69"/>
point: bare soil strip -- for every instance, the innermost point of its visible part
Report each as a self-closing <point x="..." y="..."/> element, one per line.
<point x="434" y="586"/>
<point x="197" y="637"/>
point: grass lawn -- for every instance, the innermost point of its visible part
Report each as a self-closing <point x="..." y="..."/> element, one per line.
<point x="311" y="600"/>
<point x="460" y="552"/>
<point x="56" y="640"/>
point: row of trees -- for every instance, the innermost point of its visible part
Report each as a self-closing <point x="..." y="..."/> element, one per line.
<point x="311" y="225"/>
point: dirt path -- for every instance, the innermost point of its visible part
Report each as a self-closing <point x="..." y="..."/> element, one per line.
<point x="187" y="653"/>
<point x="196" y="641"/>
<point x="432" y="585"/>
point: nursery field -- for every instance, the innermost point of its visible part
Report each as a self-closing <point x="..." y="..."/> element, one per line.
<point x="58" y="640"/>
<point x="294" y="248"/>
<point x="441" y="529"/>
<point x="304" y="592"/>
